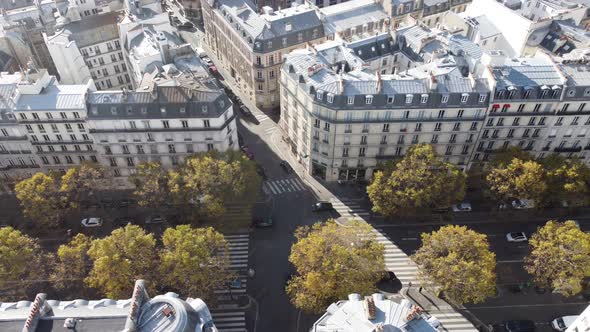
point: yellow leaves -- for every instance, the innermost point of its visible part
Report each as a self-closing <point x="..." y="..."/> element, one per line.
<point x="522" y="179"/>
<point x="420" y="180"/>
<point x="459" y="260"/>
<point x="332" y="262"/>
<point x="559" y="257"/>
<point x="19" y="259"/>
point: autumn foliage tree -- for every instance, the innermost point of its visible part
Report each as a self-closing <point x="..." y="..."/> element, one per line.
<point x="519" y="178"/>
<point x="120" y="258"/>
<point x="559" y="257"/>
<point x="72" y="265"/>
<point x="332" y="262"/>
<point x="81" y="182"/>
<point x="151" y="184"/>
<point x="421" y="180"/>
<point x="458" y="260"/>
<point x="40" y="199"/>
<point x="567" y="181"/>
<point x="195" y="261"/>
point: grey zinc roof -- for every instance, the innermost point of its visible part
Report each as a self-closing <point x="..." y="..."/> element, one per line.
<point x="178" y="102"/>
<point x="352" y="14"/>
<point x="486" y="27"/>
<point x="259" y="29"/>
<point x="459" y="43"/>
<point x="374" y="47"/>
<point x="525" y="72"/>
<point x="577" y="74"/>
<point x="92" y="29"/>
<point x="55" y="98"/>
<point x="6" y="91"/>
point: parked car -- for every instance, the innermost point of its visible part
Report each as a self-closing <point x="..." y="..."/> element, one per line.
<point x="207" y="60"/>
<point x="245" y="110"/>
<point x="520" y="204"/>
<point x="462" y="207"/>
<point x="562" y="323"/>
<point x="516" y="237"/>
<point x="388" y="276"/>
<point x="122" y="221"/>
<point x="155" y="219"/>
<point x="187" y="25"/>
<point x="175" y="21"/>
<point x="91" y="222"/>
<point x="262" y="222"/>
<point x="519" y="326"/>
<point x="285" y="166"/>
<point x="322" y="206"/>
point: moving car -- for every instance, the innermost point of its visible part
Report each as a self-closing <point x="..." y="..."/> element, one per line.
<point x="175" y="21"/>
<point x="322" y="206"/>
<point x="155" y="219"/>
<point x="516" y="237"/>
<point x="520" y="204"/>
<point x="520" y="326"/>
<point x="462" y="207"/>
<point x="262" y="223"/>
<point x="562" y="323"/>
<point x="91" y="222"/>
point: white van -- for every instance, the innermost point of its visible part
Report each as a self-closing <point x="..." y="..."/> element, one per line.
<point x="562" y="323"/>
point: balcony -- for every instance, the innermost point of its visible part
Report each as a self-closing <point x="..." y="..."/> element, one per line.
<point x="570" y="149"/>
<point x="386" y="157"/>
<point x="62" y="142"/>
<point x="13" y="138"/>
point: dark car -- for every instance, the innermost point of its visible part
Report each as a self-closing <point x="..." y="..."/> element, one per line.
<point x="187" y="25"/>
<point x="388" y="276"/>
<point x="155" y="219"/>
<point x="245" y="110"/>
<point x="262" y="223"/>
<point x="122" y="221"/>
<point x="322" y="206"/>
<point x="285" y="166"/>
<point x="519" y="325"/>
<point x="125" y="203"/>
<point x="175" y="21"/>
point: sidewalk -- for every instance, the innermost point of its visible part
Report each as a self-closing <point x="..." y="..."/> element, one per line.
<point x="449" y="318"/>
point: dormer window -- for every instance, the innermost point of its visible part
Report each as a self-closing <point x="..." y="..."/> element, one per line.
<point x="424" y="98"/>
<point x="409" y="98"/>
<point x="319" y="94"/>
<point x="464" y="97"/>
<point x="144" y="110"/>
<point x="350" y="100"/>
<point x="113" y="110"/>
<point x="269" y="44"/>
<point x="162" y="110"/>
<point x="482" y="98"/>
<point x="182" y="110"/>
<point x="204" y="108"/>
<point x="368" y="99"/>
<point x="444" y="99"/>
<point x="390" y="99"/>
<point x="330" y="98"/>
<point x="527" y="93"/>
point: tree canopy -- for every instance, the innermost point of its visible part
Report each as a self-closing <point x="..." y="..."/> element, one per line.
<point x="40" y="199"/>
<point x="118" y="259"/>
<point x="211" y="180"/>
<point x="519" y="178"/>
<point x="567" y="181"/>
<point x="151" y="184"/>
<point x="195" y="261"/>
<point x="332" y="262"/>
<point x="459" y="261"/>
<point x="72" y="265"/>
<point x="80" y="182"/>
<point x="421" y="180"/>
<point x="21" y="261"/>
<point x="559" y="257"/>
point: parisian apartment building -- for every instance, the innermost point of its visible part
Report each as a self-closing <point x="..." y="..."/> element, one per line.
<point x="47" y="126"/>
<point x="248" y="46"/>
<point x="344" y="116"/>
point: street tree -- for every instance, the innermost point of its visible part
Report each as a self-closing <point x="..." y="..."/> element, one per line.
<point x="73" y="265"/>
<point x="559" y="257"/>
<point x="195" y="261"/>
<point x="567" y="181"/>
<point x="213" y="179"/>
<point x="519" y="178"/>
<point x="81" y="182"/>
<point x="421" y="180"/>
<point x="332" y="262"/>
<point x="40" y="199"/>
<point x="503" y="157"/>
<point x="151" y="184"/>
<point x="458" y="260"/>
<point x="125" y="255"/>
<point x="21" y="262"/>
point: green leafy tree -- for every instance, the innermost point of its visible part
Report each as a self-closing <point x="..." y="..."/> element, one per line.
<point x="40" y="199"/>
<point x="421" y="180"/>
<point x="459" y="260"/>
<point x="73" y="265"/>
<point x="522" y="179"/>
<point x="81" y="182"/>
<point x="195" y="261"/>
<point x="213" y="179"/>
<point x="332" y="262"/>
<point x="567" y="181"/>
<point x="21" y="262"/>
<point x="151" y="184"/>
<point x="126" y="255"/>
<point x="559" y="257"/>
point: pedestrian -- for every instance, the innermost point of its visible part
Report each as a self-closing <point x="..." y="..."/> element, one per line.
<point x="420" y="289"/>
<point x="410" y="284"/>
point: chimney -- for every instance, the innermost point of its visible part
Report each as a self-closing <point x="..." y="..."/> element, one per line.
<point x="340" y="84"/>
<point x="379" y="83"/>
<point x="433" y="82"/>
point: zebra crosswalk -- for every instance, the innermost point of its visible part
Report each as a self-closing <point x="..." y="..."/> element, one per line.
<point x="227" y="316"/>
<point x="278" y="187"/>
<point x="351" y="208"/>
<point x="397" y="261"/>
<point x="261" y="117"/>
<point x="229" y="320"/>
